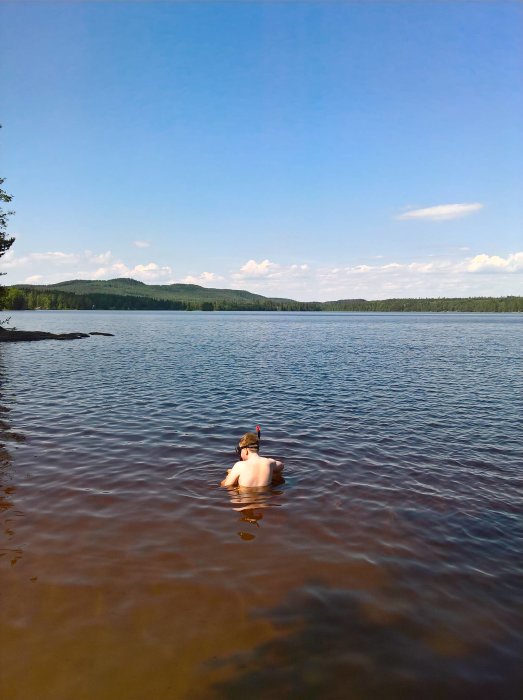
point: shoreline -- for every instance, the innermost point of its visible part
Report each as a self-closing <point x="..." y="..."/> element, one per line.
<point x="282" y="311"/>
<point x="14" y="336"/>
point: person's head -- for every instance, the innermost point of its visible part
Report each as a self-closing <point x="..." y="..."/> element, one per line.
<point x="250" y="442"/>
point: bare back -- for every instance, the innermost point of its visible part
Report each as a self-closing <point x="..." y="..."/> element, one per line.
<point x="254" y="471"/>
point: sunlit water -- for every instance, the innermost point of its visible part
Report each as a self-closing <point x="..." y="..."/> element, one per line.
<point x="388" y="565"/>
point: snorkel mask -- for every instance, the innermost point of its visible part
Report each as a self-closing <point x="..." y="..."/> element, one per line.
<point x="248" y="440"/>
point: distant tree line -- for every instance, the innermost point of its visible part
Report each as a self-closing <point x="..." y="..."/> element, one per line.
<point x="19" y="297"/>
<point x="438" y="305"/>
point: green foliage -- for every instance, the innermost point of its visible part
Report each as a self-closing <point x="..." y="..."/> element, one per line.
<point x="5" y="241"/>
<point x="470" y="304"/>
<point x="168" y="292"/>
<point x="14" y="299"/>
<point x="132" y="295"/>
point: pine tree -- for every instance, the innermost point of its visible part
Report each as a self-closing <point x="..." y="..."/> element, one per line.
<point x="5" y="241"/>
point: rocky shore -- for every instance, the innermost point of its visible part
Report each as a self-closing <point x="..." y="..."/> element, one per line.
<point x="14" y="336"/>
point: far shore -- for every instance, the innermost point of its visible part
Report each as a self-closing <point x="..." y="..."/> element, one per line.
<point x="127" y="294"/>
<point x="311" y="311"/>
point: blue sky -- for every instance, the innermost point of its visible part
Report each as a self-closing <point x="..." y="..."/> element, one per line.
<point x="315" y="150"/>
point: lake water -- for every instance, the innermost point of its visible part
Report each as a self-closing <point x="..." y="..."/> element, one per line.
<point x="388" y="565"/>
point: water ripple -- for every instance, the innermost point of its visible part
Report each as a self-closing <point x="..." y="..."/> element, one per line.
<point x="395" y="541"/>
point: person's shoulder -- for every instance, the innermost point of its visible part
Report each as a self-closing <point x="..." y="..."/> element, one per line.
<point x="277" y="466"/>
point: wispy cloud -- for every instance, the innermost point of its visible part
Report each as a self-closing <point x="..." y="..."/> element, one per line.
<point x="141" y="244"/>
<point x="56" y="266"/>
<point x="274" y="279"/>
<point x="150" y="272"/>
<point x="480" y="275"/>
<point x="441" y="212"/>
<point x="483" y="274"/>
<point x="270" y="270"/>
<point x="33" y="279"/>
<point x="55" y="258"/>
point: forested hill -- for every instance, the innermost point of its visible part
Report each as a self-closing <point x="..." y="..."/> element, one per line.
<point x="129" y="294"/>
<point x="124" y="286"/>
<point x="125" y="293"/>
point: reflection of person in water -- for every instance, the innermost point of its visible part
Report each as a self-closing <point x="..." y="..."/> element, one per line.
<point x="250" y="504"/>
<point x="252" y="470"/>
<point x="243" y="499"/>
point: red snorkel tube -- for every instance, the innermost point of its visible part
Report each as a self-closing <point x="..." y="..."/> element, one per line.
<point x="258" y="432"/>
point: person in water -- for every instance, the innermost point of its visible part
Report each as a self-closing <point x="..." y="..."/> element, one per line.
<point x="252" y="470"/>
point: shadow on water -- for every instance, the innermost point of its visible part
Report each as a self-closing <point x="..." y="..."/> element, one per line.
<point x="8" y="512"/>
<point x="327" y="647"/>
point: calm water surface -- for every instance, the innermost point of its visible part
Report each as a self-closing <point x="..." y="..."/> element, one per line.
<point x="389" y="564"/>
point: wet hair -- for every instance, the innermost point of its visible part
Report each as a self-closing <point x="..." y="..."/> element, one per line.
<point x="249" y="440"/>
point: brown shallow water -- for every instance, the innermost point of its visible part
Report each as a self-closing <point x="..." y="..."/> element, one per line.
<point x="389" y="564"/>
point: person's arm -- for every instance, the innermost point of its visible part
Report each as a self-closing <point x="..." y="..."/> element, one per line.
<point x="232" y="476"/>
<point x="277" y="467"/>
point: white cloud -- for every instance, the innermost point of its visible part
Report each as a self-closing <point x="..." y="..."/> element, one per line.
<point x="151" y="272"/>
<point x="422" y="267"/>
<point x="441" y="212"/>
<point x="210" y="277"/>
<point x="100" y="259"/>
<point x="254" y="269"/>
<point x="482" y="275"/>
<point x="57" y="266"/>
<point x="495" y="263"/>
<point x="268" y="270"/>
<point x="206" y="279"/>
<point x="190" y="279"/>
<point x="271" y="278"/>
<point x="480" y="263"/>
<point x="467" y="275"/>
<point x="150" y="268"/>
<point x="56" y="258"/>
<point x="33" y="279"/>
<point x="141" y="244"/>
<point x="116" y="269"/>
